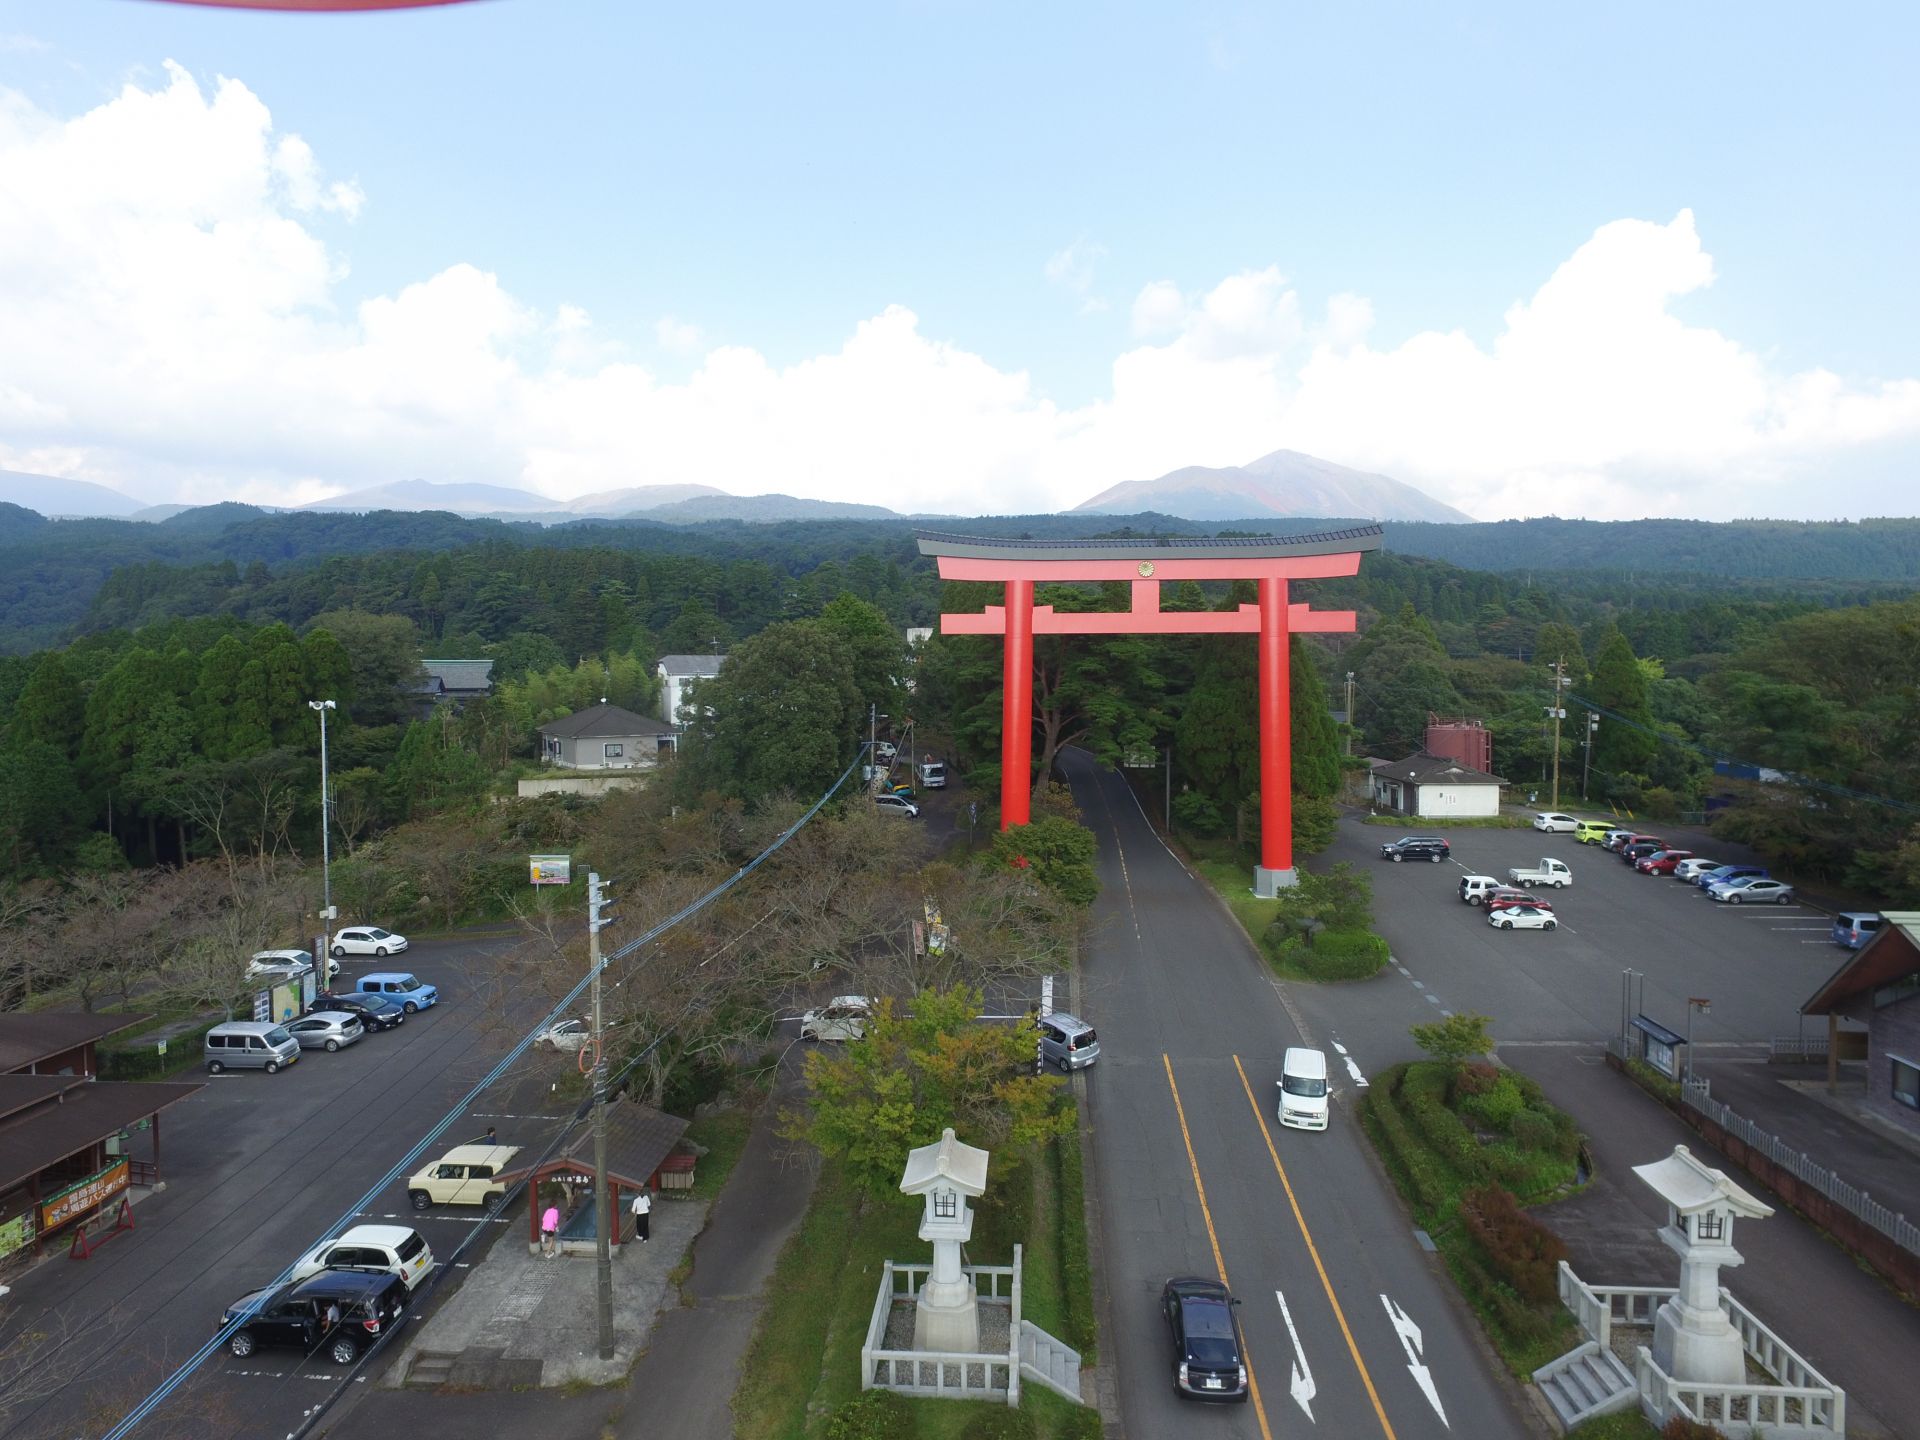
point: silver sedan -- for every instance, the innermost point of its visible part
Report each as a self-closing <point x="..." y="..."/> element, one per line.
<point x="326" y="1030"/>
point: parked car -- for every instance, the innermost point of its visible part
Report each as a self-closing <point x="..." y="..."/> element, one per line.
<point x="885" y="751"/>
<point x="465" y="1175"/>
<point x="407" y="991"/>
<point x="248" y="1045"/>
<point x="1689" y="871"/>
<point x="887" y="803"/>
<point x="1722" y="874"/>
<point x="1636" y="850"/>
<point x="268" y="963"/>
<point x="566" y="1035"/>
<point x="1474" y="889"/>
<point x="1506" y="897"/>
<point x="362" y="1305"/>
<point x="842" y="1018"/>
<point x="326" y="1030"/>
<point x="1416" y="847"/>
<point x="389" y="1249"/>
<point x="376" y="1012"/>
<point x="1593" y="832"/>
<point x="367" y="940"/>
<point x="1556" y="824"/>
<point x="1209" y="1361"/>
<point x="1521" y="917"/>
<point x="1546" y="871"/>
<point x="1853" y="928"/>
<point x="1616" y="838"/>
<point x="1067" y="1041"/>
<point x="1662" y="862"/>
<point x="1755" y="890"/>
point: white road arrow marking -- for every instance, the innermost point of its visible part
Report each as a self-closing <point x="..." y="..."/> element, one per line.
<point x="1302" y="1381"/>
<point x="1409" y="1334"/>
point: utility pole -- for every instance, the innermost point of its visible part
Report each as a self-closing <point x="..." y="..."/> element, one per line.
<point x="602" y="1209"/>
<point x="1169" y="811"/>
<point x="1349" y="712"/>
<point x="1586" y="764"/>
<point x="1559" y="713"/>
<point x="326" y="847"/>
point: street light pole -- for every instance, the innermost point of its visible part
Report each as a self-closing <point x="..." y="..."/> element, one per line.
<point x="1349" y="712"/>
<point x="597" y="902"/>
<point x="1705" y="1007"/>
<point x="321" y="707"/>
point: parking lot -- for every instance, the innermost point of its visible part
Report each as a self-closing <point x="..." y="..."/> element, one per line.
<point x="258" y="1168"/>
<point x="1754" y="963"/>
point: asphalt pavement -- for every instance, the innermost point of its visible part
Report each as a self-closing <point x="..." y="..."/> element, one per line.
<point x="1351" y="1328"/>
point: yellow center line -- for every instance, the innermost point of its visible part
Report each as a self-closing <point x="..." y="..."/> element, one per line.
<point x="1260" y="1120"/>
<point x="1213" y="1239"/>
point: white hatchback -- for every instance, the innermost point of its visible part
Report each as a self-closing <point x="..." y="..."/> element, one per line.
<point x="842" y="1018"/>
<point x="392" y="1248"/>
<point x="1691" y="870"/>
<point x="1522" y="917"/>
<point x="367" y="940"/>
<point x="1555" y="823"/>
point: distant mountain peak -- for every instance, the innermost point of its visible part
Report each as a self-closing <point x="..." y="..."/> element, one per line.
<point x="1284" y="484"/>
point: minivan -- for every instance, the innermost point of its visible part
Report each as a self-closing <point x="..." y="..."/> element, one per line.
<point x="1853" y="928"/>
<point x="1303" y="1089"/>
<point x="1068" y="1041"/>
<point x="249" y="1045"/>
<point x="410" y="994"/>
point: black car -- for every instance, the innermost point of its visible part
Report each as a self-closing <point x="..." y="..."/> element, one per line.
<point x="1635" y="851"/>
<point x="376" y="1012"/>
<point x="1417" y="847"/>
<point x="1209" y="1362"/>
<point x="337" y="1314"/>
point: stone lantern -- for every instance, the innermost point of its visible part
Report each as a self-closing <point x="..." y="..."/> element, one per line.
<point x="1693" y="1338"/>
<point x="947" y="1174"/>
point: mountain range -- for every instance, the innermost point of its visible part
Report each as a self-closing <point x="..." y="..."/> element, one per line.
<point x="1282" y="485"/>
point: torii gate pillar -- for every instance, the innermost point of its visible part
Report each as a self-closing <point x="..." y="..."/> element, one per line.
<point x="1269" y="562"/>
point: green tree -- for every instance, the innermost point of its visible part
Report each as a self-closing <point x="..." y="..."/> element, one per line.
<point x="40" y="806"/>
<point x="780" y="716"/>
<point x="51" y="709"/>
<point x="1315" y="741"/>
<point x="1057" y="851"/>
<point x="384" y="651"/>
<point x="1456" y="1038"/>
<point x="1624" y="744"/>
<point x="879" y="650"/>
<point x="914" y="1075"/>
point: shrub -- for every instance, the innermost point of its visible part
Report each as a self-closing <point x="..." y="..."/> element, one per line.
<point x="1340" y="955"/>
<point x="145" y="1062"/>
<point x="1456" y="1038"/>
<point x="1431" y="1192"/>
<point x="1496" y="1107"/>
<point x="1532" y="1130"/>
<point x="1681" y="1428"/>
<point x="1533" y="1175"/>
<point x="1654" y="1083"/>
<point x="872" y="1415"/>
<point x="1423" y="1093"/>
<point x="999" y="1423"/>
<point x="1476" y="1077"/>
<point x="1197" y="814"/>
<point x="1523" y="1250"/>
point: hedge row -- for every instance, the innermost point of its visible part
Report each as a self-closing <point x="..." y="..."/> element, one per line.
<point x="145" y="1062"/>
<point x="1432" y="1190"/>
<point x="1523" y="1250"/>
<point x="1423" y="1092"/>
<point x="1076" y="1266"/>
<point x="1330" y="954"/>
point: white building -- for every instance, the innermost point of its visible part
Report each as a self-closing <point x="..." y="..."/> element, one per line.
<point x="677" y="673"/>
<point x="1433" y="787"/>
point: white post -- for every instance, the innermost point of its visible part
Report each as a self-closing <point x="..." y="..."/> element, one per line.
<point x="326" y="846"/>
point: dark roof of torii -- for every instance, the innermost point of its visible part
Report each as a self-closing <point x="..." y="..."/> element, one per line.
<point x="1163" y="547"/>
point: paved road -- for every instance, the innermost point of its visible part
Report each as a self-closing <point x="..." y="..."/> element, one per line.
<point x="258" y="1168"/>
<point x="1350" y="1328"/>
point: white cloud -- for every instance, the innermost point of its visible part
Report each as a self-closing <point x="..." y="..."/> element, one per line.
<point x="1072" y="269"/>
<point x="17" y="44"/>
<point x="170" y="270"/>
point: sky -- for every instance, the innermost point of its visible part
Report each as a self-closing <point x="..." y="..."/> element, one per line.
<point x="1637" y="260"/>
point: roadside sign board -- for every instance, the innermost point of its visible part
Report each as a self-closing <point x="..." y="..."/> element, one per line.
<point x="550" y="869"/>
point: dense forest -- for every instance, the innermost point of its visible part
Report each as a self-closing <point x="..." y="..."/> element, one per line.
<point x="162" y="714"/>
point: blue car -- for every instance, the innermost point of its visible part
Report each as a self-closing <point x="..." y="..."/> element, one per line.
<point x="1853" y="928"/>
<point x="1707" y="879"/>
<point x="404" y="989"/>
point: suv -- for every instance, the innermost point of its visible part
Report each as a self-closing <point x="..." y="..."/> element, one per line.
<point x="388" y="1249"/>
<point x="1416" y="847"/>
<point x="1474" y="889"/>
<point x="465" y="1175"/>
<point x="360" y="1306"/>
<point x="1209" y="1362"/>
<point x="1068" y="1041"/>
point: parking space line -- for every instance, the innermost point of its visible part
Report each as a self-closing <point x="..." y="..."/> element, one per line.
<point x="1313" y="1251"/>
<point x="1213" y="1237"/>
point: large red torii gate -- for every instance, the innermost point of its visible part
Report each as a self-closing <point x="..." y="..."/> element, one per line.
<point x="1269" y="561"/>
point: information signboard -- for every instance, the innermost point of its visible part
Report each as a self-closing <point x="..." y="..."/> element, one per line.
<point x="550" y="869"/>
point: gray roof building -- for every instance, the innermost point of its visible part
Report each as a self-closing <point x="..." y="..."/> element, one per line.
<point x="458" y="677"/>
<point x="604" y="737"/>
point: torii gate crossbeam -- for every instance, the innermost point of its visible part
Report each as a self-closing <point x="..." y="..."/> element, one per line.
<point x="1270" y="562"/>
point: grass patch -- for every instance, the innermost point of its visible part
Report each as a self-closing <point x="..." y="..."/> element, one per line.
<point x="724" y="1133"/>
<point x="1333" y="954"/>
<point x="805" y="1357"/>
<point x="1410" y="824"/>
<point x="1623" y="1425"/>
<point x="1439" y="1133"/>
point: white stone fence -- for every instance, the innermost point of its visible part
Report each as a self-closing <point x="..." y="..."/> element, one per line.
<point x="955" y="1374"/>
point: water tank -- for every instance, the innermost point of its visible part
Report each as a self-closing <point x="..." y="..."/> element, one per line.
<point x="1465" y="742"/>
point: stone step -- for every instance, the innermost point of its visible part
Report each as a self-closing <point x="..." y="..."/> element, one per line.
<point x="431" y="1368"/>
<point x="1584" y="1383"/>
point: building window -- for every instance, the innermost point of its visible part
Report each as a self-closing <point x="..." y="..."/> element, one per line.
<point x="946" y="1205"/>
<point x="614" y="752"/>
<point x="1709" y="1225"/>
<point x="1906" y="1083"/>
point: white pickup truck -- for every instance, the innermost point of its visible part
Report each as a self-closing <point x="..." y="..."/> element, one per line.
<point x="1548" y="872"/>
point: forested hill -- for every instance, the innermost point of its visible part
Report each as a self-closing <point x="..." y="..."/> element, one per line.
<point x="63" y="578"/>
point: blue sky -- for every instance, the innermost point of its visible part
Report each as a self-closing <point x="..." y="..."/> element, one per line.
<point x="764" y="181"/>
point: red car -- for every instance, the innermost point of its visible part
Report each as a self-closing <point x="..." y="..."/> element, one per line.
<point x="1661" y="862"/>
<point x="1501" y="899"/>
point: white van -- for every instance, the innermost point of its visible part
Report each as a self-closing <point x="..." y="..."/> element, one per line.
<point x="1303" y="1089"/>
<point x="249" y="1045"/>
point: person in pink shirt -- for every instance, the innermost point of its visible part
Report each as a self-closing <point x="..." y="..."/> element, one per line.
<point x="550" y="1232"/>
